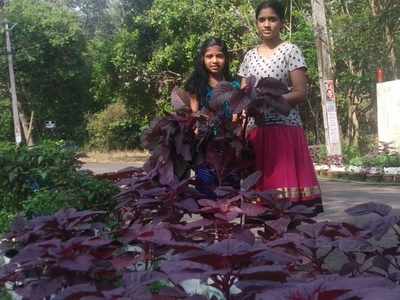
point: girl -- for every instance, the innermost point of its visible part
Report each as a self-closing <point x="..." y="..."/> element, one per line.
<point x="211" y="68"/>
<point x="278" y="139"/>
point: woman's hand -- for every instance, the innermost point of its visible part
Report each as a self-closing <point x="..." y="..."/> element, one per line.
<point x="278" y="103"/>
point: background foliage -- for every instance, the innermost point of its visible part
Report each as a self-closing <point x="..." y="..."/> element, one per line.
<point x="75" y="58"/>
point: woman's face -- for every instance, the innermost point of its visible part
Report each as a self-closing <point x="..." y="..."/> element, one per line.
<point x="214" y="60"/>
<point x="269" y="24"/>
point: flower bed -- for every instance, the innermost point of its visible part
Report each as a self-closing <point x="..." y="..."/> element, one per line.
<point x="370" y="174"/>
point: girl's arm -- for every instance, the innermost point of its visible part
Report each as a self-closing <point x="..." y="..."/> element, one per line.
<point x="243" y="82"/>
<point x="298" y="93"/>
<point x="296" y="96"/>
<point x="194" y="103"/>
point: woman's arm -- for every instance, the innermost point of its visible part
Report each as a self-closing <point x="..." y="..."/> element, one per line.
<point x="243" y="83"/>
<point x="194" y="103"/>
<point x="296" y="96"/>
<point x="298" y="93"/>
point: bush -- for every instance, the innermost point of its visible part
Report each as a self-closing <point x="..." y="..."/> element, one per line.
<point x="318" y="153"/>
<point x="115" y="128"/>
<point x="378" y="160"/>
<point x="43" y="179"/>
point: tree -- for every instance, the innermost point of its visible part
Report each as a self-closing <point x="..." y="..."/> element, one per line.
<point x="358" y="49"/>
<point x="52" y="75"/>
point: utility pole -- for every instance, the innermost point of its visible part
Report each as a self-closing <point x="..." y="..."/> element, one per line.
<point x="14" y="100"/>
<point x="326" y="80"/>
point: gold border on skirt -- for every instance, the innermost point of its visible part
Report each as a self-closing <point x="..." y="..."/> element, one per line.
<point x="299" y="193"/>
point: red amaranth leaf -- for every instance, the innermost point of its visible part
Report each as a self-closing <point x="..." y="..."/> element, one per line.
<point x="251" y="180"/>
<point x="125" y="260"/>
<point x="81" y="263"/>
<point x="368" y="208"/>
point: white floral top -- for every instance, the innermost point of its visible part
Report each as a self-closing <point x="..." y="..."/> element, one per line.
<point x="286" y="58"/>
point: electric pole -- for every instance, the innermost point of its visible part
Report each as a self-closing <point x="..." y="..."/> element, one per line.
<point x="326" y="79"/>
<point x="14" y="100"/>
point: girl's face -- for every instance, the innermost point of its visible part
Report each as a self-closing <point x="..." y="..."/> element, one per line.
<point x="269" y="24"/>
<point x="214" y="60"/>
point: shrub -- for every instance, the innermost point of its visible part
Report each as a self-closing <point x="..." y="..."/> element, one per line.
<point x="350" y="153"/>
<point x="45" y="178"/>
<point x="318" y="153"/>
<point x="115" y="128"/>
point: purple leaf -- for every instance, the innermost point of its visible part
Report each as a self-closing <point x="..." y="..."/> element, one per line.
<point x="270" y="273"/>
<point x="381" y="226"/>
<point x="193" y="225"/>
<point x="124" y="260"/>
<point x="381" y="262"/>
<point x="368" y="208"/>
<point x="274" y="256"/>
<point x="96" y="242"/>
<point x="280" y="225"/>
<point x="253" y="210"/>
<point x="348" y="268"/>
<point x="180" y="99"/>
<point x="181" y="270"/>
<point x="81" y="263"/>
<point x="230" y="247"/>
<point x="29" y="253"/>
<point x="156" y="235"/>
<point x="244" y="235"/>
<point x="141" y="278"/>
<point x="40" y="289"/>
<point x="172" y="292"/>
<point x="228" y="216"/>
<point x="167" y="175"/>
<point x="251" y="181"/>
<point x="77" y="291"/>
<point x="374" y="293"/>
<point x="223" y="191"/>
<point x="154" y="192"/>
<point x="189" y="205"/>
<point x="115" y="293"/>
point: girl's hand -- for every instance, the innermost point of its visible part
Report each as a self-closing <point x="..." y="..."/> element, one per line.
<point x="278" y="103"/>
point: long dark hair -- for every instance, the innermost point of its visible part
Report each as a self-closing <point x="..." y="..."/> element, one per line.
<point x="276" y="5"/>
<point x="197" y="83"/>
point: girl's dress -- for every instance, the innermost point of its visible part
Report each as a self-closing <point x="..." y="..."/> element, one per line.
<point x="279" y="142"/>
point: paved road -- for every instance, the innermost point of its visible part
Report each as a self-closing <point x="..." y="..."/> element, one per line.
<point x="337" y="195"/>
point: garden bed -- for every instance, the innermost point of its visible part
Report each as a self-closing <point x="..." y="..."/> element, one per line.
<point x="390" y="175"/>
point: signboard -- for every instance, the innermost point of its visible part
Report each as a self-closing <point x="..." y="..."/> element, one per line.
<point x="388" y="100"/>
<point x="332" y="124"/>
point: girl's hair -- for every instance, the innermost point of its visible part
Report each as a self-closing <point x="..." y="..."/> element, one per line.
<point x="197" y="83"/>
<point x="276" y="5"/>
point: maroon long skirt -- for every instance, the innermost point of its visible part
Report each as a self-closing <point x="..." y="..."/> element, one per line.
<point x="283" y="157"/>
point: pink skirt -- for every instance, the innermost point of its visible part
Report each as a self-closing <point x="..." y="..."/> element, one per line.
<point x="283" y="157"/>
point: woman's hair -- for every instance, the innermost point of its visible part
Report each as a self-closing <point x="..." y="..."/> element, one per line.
<point x="276" y="5"/>
<point x="197" y="83"/>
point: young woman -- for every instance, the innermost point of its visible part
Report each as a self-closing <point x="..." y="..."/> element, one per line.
<point x="278" y="139"/>
<point x="211" y="68"/>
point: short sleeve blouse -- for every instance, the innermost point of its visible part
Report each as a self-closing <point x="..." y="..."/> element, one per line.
<point x="286" y="58"/>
